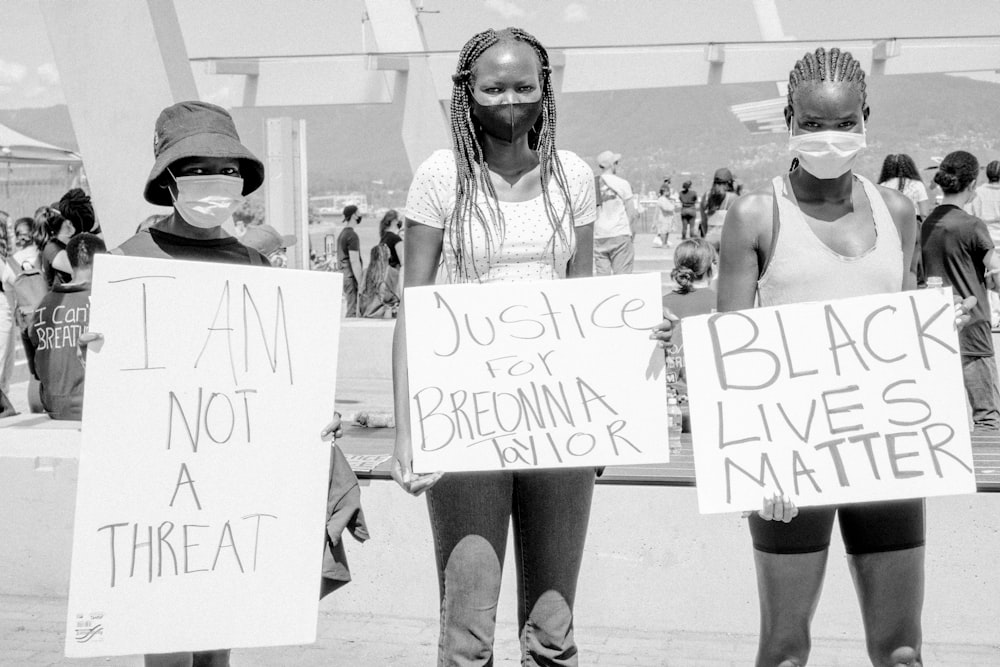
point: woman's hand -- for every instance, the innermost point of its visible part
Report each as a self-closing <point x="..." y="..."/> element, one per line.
<point x="84" y="341"/>
<point x="664" y="331"/>
<point x="402" y="470"/>
<point x="777" y="508"/>
<point x="333" y="430"/>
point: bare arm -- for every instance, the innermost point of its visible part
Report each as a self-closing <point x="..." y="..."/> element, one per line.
<point x="581" y="265"/>
<point x="905" y="218"/>
<point x="354" y="257"/>
<point x="423" y="249"/>
<point x="61" y="262"/>
<point x="746" y="240"/>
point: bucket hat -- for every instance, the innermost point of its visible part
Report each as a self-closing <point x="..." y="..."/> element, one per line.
<point x="197" y="129"/>
<point x="265" y="239"/>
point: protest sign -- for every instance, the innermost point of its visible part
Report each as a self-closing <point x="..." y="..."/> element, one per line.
<point x="202" y="483"/>
<point x="516" y="376"/>
<point x="835" y="402"/>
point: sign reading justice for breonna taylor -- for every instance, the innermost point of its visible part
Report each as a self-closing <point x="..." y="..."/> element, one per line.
<point x="202" y="483"/>
<point x="835" y="402"/>
<point x="516" y="376"/>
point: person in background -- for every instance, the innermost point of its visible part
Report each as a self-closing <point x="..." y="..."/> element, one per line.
<point x="349" y="260"/>
<point x="957" y="248"/>
<point x="689" y="211"/>
<point x="694" y="268"/>
<point x="716" y="204"/>
<point x="266" y="240"/>
<point x="387" y="229"/>
<point x="986" y="207"/>
<point x="25" y="257"/>
<point x="664" y="216"/>
<point x="54" y="333"/>
<point x="7" y="326"/>
<point x="614" y="248"/>
<point x="57" y="231"/>
<point x="899" y="172"/>
<point x="76" y="207"/>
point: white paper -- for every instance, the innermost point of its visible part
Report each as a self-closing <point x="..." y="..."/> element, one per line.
<point x="202" y="527"/>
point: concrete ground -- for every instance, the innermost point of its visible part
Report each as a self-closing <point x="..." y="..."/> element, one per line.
<point x="661" y="585"/>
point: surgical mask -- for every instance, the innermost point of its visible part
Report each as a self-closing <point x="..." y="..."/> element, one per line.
<point x="827" y="154"/>
<point x="508" y="121"/>
<point x="207" y="201"/>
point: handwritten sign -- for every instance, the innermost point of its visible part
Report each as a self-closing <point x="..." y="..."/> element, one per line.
<point x="548" y="374"/>
<point x="843" y="401"/>
<point x="202" y="487"/>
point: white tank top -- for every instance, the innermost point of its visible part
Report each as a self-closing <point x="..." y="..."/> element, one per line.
<point x="802" y="268"/>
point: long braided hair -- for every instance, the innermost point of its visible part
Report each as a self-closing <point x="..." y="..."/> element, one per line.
<point x="473" y="171"/>
<point x="901" y="167"/>
<point x="822" y="65"/>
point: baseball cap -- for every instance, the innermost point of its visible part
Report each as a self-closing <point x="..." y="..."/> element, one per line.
<point x="607" y="158"/>
<point x="265" y="239"/>
<point x="349" y="211"/>
<point x="198" y="129"/>
<point x="723" y="175"/>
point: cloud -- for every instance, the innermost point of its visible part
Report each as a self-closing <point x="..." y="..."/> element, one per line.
<point x="506" y="8"/>
<point x="48" y="74"/>
<point x="575" y="12"/>
<point x="12" y="73"/>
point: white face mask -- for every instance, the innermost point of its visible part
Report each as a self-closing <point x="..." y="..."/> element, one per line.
<point x="827" y="154"/>
<point x="207" y="201"/>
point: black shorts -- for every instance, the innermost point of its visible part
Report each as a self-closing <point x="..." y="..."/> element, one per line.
<point x="867" y="528"/>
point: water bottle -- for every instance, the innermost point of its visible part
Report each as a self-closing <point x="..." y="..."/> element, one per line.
<point x="674" y="419"/>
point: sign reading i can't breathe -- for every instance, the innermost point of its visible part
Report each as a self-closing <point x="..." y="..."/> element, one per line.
<point x="202" y="482"/>
<point x="516" y="376"/>
<point x="836" y="402"/>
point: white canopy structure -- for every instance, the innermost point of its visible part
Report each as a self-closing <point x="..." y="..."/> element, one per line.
<point x="20" y="148"/>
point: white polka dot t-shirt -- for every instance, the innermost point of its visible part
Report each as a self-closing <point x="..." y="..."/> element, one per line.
<point x="530" y="248"/>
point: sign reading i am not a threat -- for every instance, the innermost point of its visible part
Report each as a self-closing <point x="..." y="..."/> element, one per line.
<point x="843" y="401"/>
<point x="516" y="376"/>
<point x="202" y="483"/>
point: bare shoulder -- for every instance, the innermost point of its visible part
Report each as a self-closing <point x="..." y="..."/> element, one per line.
<point x="751" y="215"/>
<point x="899" y="204"/>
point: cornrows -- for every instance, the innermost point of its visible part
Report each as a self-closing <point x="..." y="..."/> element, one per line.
<point x="823" y="65"/>
<point x="473" y="171"/>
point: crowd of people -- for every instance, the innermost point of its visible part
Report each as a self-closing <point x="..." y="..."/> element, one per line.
<point x="505" y="204"/>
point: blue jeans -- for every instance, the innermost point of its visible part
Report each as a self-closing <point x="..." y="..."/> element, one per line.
<point x="470" y="516"/>
<point x="350" y="295"/>
<point x="980" y="374"/>
<point x="613" y="255"/>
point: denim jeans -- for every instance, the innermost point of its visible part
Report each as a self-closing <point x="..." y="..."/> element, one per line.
<point x="470" y="516"/>
<point x="688" y="229"/>
<point x="980" y="374"/>
<point x="613" y="255"/>
<point x="350" y="295"/>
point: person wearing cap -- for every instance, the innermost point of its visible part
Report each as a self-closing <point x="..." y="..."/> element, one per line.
<point x="349" y="259"/>
<point x="715" y="205"/>
<point x="614" y="251"/>
<point x="266" y="240"/>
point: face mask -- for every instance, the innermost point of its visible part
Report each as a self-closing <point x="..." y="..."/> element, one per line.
<point x="506" y="122"/>
<point x="207" y="201"/>
<point x="827" y="154"/>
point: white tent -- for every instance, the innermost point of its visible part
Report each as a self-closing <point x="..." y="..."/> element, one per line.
<point x="17" y="147"/>
<point x="34" y="173"/>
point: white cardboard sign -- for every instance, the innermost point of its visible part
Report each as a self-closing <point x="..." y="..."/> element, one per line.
<point x="550" y="374"/>
<point x="842" y="401"/>
<point x="202" y="483"/>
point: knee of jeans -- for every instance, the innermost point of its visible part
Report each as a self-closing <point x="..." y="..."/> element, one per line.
<point x="904" y="656"/>
<point x="550" y="620"/>
<point x="472" y="576"/>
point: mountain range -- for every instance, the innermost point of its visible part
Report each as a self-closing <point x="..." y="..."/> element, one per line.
<point x="678" y="132"/>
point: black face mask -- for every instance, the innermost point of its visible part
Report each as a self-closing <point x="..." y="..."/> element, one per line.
<point x="506" y="122"/>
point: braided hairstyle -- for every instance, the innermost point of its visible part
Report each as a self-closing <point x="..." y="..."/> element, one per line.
<point x="473" y="171"/>
<point x="822" y="65"/>
<point x="901" y="167"/>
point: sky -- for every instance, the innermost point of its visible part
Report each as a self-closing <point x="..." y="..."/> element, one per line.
<point x="227" y="28"/>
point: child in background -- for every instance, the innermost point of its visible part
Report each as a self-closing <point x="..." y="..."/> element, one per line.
<point x="694" y="267"/>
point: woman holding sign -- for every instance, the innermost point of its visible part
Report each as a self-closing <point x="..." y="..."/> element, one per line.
<point x="823" y="232"/>
<point x="503" y="205"/>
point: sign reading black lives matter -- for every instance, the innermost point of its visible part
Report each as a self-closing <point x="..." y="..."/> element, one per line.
<point x="202" y="484"/>
<point x="834" y="402"/>
<point x="516" y="376"/>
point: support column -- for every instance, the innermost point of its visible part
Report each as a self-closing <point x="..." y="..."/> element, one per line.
<point x="120" y="63"/>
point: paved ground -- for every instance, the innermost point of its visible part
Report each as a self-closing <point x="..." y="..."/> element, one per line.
<point x="31" y="633"/>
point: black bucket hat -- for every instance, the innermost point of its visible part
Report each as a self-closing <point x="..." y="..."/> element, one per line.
<point x="197" y="129"/>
